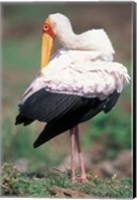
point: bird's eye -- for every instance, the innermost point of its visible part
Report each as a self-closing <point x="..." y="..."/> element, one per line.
<point x="46" y="27"/>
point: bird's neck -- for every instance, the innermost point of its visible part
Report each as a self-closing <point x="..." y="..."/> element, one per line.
<point x="68" y="38"/>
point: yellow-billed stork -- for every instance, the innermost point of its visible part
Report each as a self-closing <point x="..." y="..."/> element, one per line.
<point x="78" y="82"/>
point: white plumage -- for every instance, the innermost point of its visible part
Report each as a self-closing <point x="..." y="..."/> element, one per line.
<point x="84" y="66"/>
<point x="95" y="40"/>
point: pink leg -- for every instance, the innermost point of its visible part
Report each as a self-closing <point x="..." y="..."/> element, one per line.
<point x="81" y="160"/>
<point x="72" y="138"/>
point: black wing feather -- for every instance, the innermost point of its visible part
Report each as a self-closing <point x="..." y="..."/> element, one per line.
<point x="46" y="106"/>
<point x="59" y="126"/>
<point x="91" y="108"/>
<point x="104" y="105"/>
<point x="61" y="111"/>
<point x="111" y="101"/>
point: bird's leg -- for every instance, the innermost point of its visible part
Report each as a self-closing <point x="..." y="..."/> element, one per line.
<point x="81" y="159"/>
<point x="72" y="138"/>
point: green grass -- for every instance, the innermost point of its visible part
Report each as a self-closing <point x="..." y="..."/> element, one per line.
<point x="17" y="142"/>
<point x="39" y="185"/>
<point x="19" y="53"/>
<point x="115" y="129"/>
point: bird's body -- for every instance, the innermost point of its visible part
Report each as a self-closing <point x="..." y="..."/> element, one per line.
<point x="79" y="81"/>
<point x="85" y="78"/>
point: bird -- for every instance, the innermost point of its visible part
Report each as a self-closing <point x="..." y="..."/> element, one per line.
<point x="74" y="84"/>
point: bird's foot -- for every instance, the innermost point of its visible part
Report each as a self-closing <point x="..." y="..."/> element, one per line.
<point x="84" y="180"/>
<point x="80" y="179"/>
<point x="74" y="180"/>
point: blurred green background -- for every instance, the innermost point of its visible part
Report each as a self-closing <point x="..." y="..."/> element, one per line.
<point x="21" y="49"/>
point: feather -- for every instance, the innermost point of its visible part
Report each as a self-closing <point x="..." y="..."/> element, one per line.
<point x="87" y="109"/>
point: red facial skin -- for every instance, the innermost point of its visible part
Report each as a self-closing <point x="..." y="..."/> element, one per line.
<point x="46" y="28"/>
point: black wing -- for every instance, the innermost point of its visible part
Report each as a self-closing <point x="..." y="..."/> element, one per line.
<point x="46" y="106"/>
<point x="90" y="108"/>
<point x="61" y="111"/>
<point x="105" y="105"/>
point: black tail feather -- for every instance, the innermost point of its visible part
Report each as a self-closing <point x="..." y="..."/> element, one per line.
<point x="55" y="128"/>
<point x="21" y="119"/>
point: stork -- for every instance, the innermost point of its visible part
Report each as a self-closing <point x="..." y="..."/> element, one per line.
<point x="76" y="83"/>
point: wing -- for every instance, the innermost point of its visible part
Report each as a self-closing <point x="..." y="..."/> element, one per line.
<point x="105" y="105"/>
<point x="46" y="106"/>
<point x="86" y="110"/>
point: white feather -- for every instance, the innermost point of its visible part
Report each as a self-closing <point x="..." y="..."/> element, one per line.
<point x="83" y="67"/>
<point x="65" y="74"/>
<point x="95" y="39"/>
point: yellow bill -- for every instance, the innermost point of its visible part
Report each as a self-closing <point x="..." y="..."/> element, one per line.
<point x="47" y="43"/>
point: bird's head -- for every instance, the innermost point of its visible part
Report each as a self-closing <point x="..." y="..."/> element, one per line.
<point x="47" y="42"/>
<point x="52" y="26"/>
<point x="47" y="28"/>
